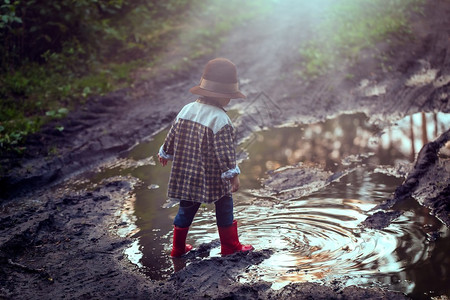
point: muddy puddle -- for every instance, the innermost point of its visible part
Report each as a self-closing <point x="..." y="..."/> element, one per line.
<point x="304" y="192"/>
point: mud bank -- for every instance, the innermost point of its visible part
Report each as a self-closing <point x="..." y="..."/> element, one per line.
<point x="98" y="131"/>
<point x="62" y="244"/>
<point x="428" y="182"/>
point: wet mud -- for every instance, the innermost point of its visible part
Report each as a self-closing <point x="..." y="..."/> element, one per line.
<point x="428" y="182"/>
<point x="56" y="243"/>
<point x="61" y="246"/>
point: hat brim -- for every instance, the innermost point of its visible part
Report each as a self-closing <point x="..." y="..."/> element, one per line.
<point x="197" y="90"/>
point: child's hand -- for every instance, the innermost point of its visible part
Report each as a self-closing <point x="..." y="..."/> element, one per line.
<point x="235" y="184"/>
<point x="162" y="160"/>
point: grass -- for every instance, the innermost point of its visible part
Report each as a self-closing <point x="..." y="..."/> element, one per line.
<point x="352" y="26"/>
<point x="36" y="94"/>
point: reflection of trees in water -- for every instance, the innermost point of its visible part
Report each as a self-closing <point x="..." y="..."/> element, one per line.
<point x="328" y="143"/>
<point x="324" y="143"/>
<point x="423" y="127"/>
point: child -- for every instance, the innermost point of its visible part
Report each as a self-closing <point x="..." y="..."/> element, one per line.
<point x="201" y="144"/>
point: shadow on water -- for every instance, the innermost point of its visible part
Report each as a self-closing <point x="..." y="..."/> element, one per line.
<point x="315" y="235"/>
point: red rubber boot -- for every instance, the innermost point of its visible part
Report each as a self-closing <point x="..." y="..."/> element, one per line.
<point x="229" y="240"/>
<point x="179" y="242"/>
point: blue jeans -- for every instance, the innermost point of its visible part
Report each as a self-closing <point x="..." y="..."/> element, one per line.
<point x="188" y="209"/>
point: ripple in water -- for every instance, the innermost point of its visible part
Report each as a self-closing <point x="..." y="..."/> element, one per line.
<point x="319" y="238"/>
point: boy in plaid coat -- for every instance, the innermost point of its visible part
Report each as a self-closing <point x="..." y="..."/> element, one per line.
<point x="201" y="145"/>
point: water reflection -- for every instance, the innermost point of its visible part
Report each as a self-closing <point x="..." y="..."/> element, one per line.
<point x="346" y="137"/>
<point x="410" y="134"/>
<point x="314" y="237"/>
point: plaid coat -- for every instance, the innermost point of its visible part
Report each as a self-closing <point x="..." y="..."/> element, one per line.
<point x="201" y="144"/>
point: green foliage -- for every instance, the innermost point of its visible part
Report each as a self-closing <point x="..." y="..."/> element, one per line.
<point x="351" y="26"/>
<point x="8" y="14"/>
<point x="12" y="133"/>
<point x="57" y="113"/>
<point x="92" y="31"/>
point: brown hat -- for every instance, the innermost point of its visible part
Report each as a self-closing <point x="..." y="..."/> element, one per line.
<point x="219" y="80"/>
